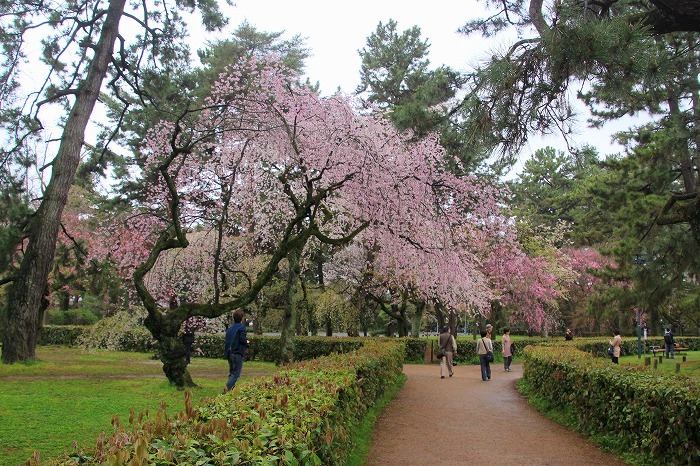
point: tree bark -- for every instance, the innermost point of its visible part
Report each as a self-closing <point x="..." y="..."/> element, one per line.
<point x="27" y="291"/>
<point x="290" y="317"/>
<point x="674" y="16"/>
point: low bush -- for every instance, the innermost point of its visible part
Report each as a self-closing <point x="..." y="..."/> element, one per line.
<point x="124" y="332"/>
<point x="62" y="335"/>
<point x="599" y="346"/>
<point x="300" y="416"/>
<point x="651" y="413"/>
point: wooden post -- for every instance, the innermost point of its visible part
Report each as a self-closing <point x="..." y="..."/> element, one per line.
<point x="656" y="363"/>
<point x="661" y="359"/>
<point x="647" y="361"/>
<point x="678" y="368"/>
<point x="683" y="358"/>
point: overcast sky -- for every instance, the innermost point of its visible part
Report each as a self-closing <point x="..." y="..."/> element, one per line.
<point x="336" y="30"/>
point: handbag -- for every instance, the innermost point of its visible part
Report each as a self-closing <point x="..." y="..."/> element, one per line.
<point x="489" y="353"/>
<point x="611" y="351"/>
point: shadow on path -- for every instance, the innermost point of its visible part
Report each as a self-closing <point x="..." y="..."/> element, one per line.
<point x="464" y="421"/>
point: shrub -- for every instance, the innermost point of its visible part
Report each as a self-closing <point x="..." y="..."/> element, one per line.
<point x="301" y="416"/>
<point x="124" y="331"/>
<point x="652" y="413"/>
<point x="65" y="335"/>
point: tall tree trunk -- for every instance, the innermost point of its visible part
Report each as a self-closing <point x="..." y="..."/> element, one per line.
<point x="172" y="354"/>
<point x="417" y="319"/>
<point x="290" y="317"/>
<point x="402" y="323"/>
<point x="27" y="291"/>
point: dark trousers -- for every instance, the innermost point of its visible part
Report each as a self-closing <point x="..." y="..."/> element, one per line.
<point x="506" y="361"/>
<point x="485" y="367"/>
<point x="670" y="350"/>
<point x="188" y="341"/>
<point x="235" y="366"/>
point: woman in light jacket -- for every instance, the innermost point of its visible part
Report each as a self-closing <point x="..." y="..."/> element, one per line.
<point x="615" y="343"/>
<point x="449" y="346"/>
<point x="482" y="345"/>
<point x="506" y="350"/>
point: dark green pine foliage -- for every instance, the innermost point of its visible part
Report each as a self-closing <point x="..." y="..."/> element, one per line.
<point x="396" y="77"/>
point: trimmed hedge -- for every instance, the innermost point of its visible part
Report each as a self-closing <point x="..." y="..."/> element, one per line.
<point x="599" y="346"/>
<point x="655" y="414"/>
<point x="262" y="348"/>
<point x="303" y="415"/>
<point x="62" y="335"/>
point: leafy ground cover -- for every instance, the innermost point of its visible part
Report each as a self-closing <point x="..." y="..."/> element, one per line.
<point x="72" y="395"/>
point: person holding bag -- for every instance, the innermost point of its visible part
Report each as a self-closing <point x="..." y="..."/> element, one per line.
<point x="615" y="344"/>
<point x="447" y="346"/>
<point x="484" y="348"/>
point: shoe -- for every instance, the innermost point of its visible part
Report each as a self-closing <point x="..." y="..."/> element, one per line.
<point x="442" y="376"/>
<point x="225" y="390"/>
<point x="451" y="375"/>
<point x="489" y="378"/>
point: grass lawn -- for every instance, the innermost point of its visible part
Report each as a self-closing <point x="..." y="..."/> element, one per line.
<point x="71" y="395"/>
<point x="690" y="368"/>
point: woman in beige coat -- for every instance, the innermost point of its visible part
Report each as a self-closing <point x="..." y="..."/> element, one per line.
<point x="615" y="343"/>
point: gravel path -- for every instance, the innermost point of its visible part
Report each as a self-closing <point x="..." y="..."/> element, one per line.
<point x="443" y="422"/>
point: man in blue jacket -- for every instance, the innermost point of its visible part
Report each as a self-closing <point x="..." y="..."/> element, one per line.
<point x="234" y="349"/>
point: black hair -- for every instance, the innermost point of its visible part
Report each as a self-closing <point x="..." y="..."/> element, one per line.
<point x="506" y="330"/>
<point x="483" y="333"/>
<point x="445" y="328"/>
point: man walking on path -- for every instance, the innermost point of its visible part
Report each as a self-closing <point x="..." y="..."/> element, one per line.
<point x="234" y="349"/>
<point x="463" y="421"/>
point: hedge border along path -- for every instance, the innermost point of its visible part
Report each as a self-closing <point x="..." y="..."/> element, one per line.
<point x="463" y="420"/>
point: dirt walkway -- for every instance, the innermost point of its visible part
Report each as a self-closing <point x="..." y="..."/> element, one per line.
<point x="440" y="422"/>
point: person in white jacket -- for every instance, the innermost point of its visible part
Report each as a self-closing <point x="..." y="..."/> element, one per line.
<point x="483" y="345"/>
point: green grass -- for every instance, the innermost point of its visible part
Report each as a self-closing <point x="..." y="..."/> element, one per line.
<point x="689" y="368"/>
<point x="362" y="435"/>
<point x="71" y="395"/>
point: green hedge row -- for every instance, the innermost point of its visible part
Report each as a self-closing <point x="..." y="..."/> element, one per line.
<point x="61" y="335"/>
<point x="645" y="411"/>
<point x="303" y="415"/>
<point x="262" y="348"/>
<point x="599" y="346"/>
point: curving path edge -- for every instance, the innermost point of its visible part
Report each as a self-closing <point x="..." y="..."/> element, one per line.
<point x="464" y="421"/>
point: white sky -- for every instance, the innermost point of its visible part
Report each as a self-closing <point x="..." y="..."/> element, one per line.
<point x="336" y="30"/>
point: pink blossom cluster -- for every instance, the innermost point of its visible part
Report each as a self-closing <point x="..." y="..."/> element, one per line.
<point x="269" y="156"/>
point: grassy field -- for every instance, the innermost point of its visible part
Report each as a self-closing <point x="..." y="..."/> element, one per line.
<point x="71" y="395"/>
<point x="690" y="368"/>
